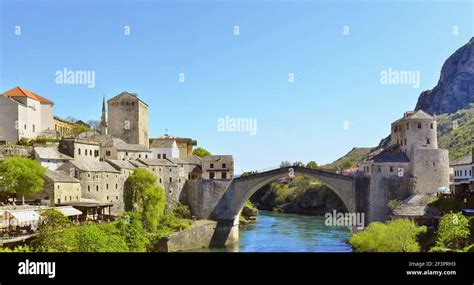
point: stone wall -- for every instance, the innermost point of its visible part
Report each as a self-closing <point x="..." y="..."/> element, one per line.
<point x="200" y="235"/>
<point x="384" y="189"/>
<point x="203" y="195"/>
<point x="431" y="169"/>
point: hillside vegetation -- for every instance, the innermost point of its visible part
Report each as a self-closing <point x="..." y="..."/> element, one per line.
<point x="456" y="132"/>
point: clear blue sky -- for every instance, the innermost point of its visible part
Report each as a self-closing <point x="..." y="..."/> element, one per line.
<point x="337" y="77"/>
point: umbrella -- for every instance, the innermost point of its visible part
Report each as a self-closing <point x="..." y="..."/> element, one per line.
<point x="442" y="189"/>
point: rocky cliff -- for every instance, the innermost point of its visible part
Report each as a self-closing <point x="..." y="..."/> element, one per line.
<point x="455" y="88"/>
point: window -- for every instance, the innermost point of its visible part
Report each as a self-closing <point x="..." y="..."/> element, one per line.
<point x="158" y="156"/>
<point x="419" y="125"/>
<point x="34" y="128"/>
<point x="379" y="169"/>
<point x="90" y="152"/>
<point x="85" y="152"/>
<point x="164" y="155"/>
<point x="405" y="142"/>
<point x="65" y="198"/>
<point x="89" y="188"/>
<point x="224" y="175"/>
<point x="25" y="126"/>
<point x="116" y="186"/>
<point x="126" y="153"/>
<point x="139" y="156"/>
<point x="107" y="186"/>
<point x="79" y="151"/>
<point x="391" y="168"/>
<point x="107" y="153"/>
<point x="96" y="153"/>
<point x="432" y="125"/>
<point x="212" y="165"/>
<point x="171" y="179"/>
<point x="107" y="197"/>
<point x="223" y="165"/>
<point x="146" y="155"/>
<point x="428" y="140"/>
<point x="116" y="197"/>
<point x="97" y="187"/>
<point x="89" y="175"/>
<point x="160" y="180"/>
<point x="77" y="197"/>
<point x="211" y="175"/>
<point x="59" y="201"/>
<point x="408" y="126"/>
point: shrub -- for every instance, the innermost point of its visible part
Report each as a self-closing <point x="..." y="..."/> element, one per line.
<point x="398" y="235"/>
<point x="453" y="231"/>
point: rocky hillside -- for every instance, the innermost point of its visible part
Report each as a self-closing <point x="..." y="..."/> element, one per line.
<point x="455" y="88"/>
<point x="451" y="99"/>
<point x="456" y="132"/>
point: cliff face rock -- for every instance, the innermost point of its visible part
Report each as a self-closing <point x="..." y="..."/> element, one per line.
<point x="455" y="88"/>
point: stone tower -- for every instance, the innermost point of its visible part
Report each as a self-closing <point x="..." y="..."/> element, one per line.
<point x="103" y="119"/>
<point x="128" y="118"/>
<point x="416" y="130"/>
<point x="416" y="135"/>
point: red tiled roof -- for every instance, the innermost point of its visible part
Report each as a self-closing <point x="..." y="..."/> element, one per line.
<point x="21" y="92"/>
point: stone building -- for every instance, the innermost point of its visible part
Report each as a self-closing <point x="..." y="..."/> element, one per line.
<point x="64" y="128"/>
<point x="217" y="167"/>
<point x="99" y="181"/>
<point x="192" y="166"/>
<point x="414" y="152"/>
<point x="50" y="157"/>
<point x="59" y="188"/>
<point x="170" y="176"/>
<point x="24" y="114"/>
<point x="117" y="149"/>
<point x="163" y="149"/>
<point x="128" y="118"/>
<point x="124" y="166"/>
<point x="184" y="145"/>
<point x="80" y="149"/>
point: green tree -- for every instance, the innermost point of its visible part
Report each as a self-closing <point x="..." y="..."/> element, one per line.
<point x="100" y="238"/>
<point x="347" y="164"/>
<point x="154" y="201"/>
<point x="399" y="235"/>
<point x="136" y="184"/>
<point x="55" y="234"/>
<point x="131" y="229"/>
<point x="79" y="129"/>
<point x="21" y="175"/>
<point x="312" y="164"/>
<point x="453" y="231"/>
<point x="285" y="163"/>
<point x="201" y="152"/>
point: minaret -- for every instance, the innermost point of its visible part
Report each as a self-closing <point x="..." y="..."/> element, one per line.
<point x="103" y="119"/>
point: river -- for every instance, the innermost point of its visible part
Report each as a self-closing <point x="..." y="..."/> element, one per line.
<point x="276" y="232"/>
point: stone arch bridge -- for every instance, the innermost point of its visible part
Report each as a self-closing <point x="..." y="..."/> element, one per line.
<point x="350" y="189"/>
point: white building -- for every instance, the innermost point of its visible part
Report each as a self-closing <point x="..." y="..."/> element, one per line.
<point x="463" y="175"/>
<point x="163" y="149"/>
<point x="50" y="157"/>
<point x="24" y="114"/>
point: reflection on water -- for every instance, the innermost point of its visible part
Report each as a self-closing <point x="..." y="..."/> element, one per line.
<point x="275" y="232"/>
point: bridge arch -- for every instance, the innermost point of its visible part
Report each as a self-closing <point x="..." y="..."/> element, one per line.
<point x="242" y="188"/>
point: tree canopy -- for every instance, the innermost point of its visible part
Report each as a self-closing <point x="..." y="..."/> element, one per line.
<point x="201" y="152"/>
<point x="453" y="231"/>
<point x="21" y="175"/>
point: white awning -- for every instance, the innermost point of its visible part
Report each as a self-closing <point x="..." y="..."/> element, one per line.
<point x="69" y="211"/>
<point x="23" y="217"/>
